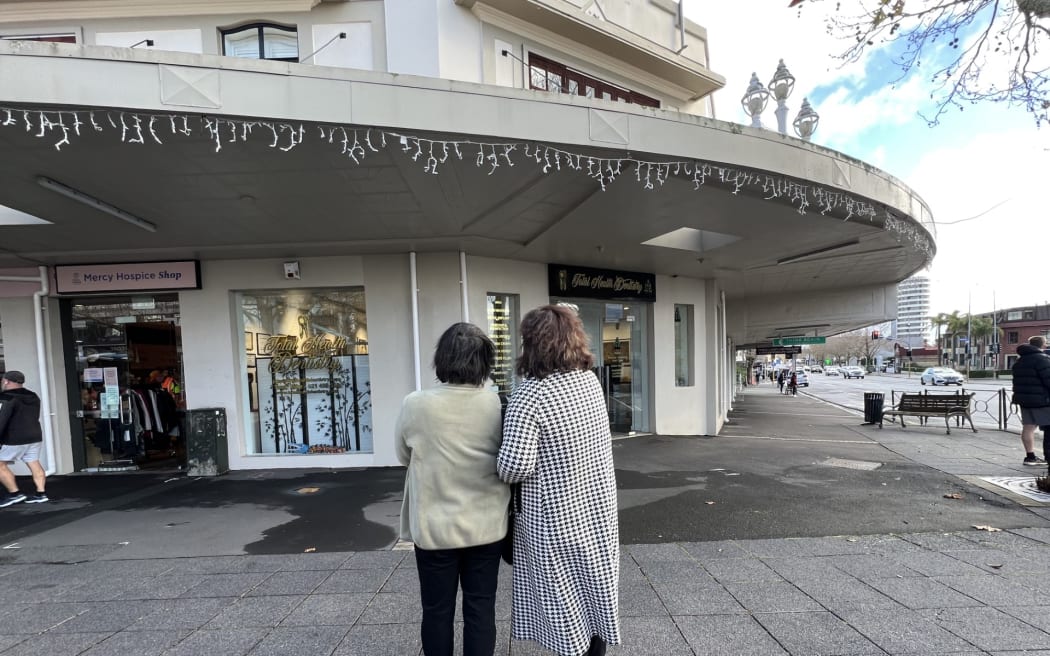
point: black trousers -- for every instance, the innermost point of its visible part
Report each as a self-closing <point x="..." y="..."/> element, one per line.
<point x="441" y="573"/>
<point x="1046" y="442"/>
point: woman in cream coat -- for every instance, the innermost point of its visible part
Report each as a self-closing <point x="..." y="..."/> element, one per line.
<point x="455" y="506"/>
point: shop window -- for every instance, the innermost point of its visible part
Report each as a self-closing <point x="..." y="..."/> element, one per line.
<point x="262" y="41"/>
<point x="307" y="371"/>
<point x="549" y="75"/>
<point x="683" y="345"/>
<point x="51" y="38"/>
<point x="503" y="330"/>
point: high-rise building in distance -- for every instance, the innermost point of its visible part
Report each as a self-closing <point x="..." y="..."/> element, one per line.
<point x="913" y="311"/>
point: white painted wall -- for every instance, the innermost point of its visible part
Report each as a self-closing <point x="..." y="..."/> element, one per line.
<point x="440" y="305"/>
<point x="411" y="37"/>
<point x="355" y="51"/>
<point x="388" y="297"/>
<point x="460" y="43"/>
<point x="680" y="410"/>
<point x="175" y="40"/>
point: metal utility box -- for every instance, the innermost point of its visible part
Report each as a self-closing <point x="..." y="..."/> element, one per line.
<point x="206" y="448"/>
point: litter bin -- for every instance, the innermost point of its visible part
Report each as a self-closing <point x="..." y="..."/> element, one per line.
<point x="873" y="408"/>
<point x="206" y="450"/>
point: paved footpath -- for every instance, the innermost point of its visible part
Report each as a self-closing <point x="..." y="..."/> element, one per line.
<point x="960" y="592"/>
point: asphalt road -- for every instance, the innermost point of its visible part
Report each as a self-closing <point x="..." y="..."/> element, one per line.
<point x="850" y="393"/>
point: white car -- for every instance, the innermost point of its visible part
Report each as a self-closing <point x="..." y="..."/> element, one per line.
<point x="802" y="378"/>
<point x="831" y="371"/>
<point x="852" y="372"/>
<point x="941" y="376"/>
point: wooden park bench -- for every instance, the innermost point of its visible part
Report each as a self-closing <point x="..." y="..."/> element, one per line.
<point x="934" y="405"/>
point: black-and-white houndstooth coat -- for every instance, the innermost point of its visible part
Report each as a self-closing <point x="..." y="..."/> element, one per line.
<point x="556" y="442"/>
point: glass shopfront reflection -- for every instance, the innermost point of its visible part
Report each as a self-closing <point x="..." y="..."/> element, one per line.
<point x="619" y="337"/>
<point x="307" y="371"/>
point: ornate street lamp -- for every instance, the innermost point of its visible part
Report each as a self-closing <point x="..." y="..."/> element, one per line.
<point x="781" y="85"/>
<point x="806" y="122"/>
<point x="754" y="101"/>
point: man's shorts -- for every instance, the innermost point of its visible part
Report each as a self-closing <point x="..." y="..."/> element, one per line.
<point x="24" y="452"/>
<point x="1037" y="416"/>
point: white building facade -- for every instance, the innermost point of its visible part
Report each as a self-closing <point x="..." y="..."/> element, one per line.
<point x="276" y="213"/>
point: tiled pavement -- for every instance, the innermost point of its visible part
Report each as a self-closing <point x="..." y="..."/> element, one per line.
<point x="963" y="593"/>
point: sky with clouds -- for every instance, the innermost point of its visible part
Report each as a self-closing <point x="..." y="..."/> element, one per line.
<point x="989" y="161"/>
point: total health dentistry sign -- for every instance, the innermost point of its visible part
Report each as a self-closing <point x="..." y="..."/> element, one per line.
<point x="127" y="277"/>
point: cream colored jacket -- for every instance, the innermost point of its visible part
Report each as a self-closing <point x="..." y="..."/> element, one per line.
<point x="448" y="437"/>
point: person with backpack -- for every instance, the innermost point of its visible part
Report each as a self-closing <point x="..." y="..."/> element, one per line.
<point x="1031" y="386"/>
<point x="20" y="438"/>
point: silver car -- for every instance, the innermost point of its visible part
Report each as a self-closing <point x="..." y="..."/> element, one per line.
<point x="852" y="372"/>
<point x="941" y="376"/>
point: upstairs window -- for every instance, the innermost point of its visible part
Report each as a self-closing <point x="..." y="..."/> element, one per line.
<point x="53" y="38"/>
<point x="262" y="41"/>
<point x="548" y="75"/>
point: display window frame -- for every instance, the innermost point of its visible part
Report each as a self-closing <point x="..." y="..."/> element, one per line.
<point x="306" y="371"/>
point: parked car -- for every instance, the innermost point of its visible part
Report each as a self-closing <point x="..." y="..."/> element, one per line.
<point x="831" y="371"/>
<point x="941" y="376"/>
<point x="852" y="372"/>
<point x="802" y="378"/>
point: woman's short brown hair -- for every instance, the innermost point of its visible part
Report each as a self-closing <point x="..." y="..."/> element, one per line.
<point x="553" y="339"/>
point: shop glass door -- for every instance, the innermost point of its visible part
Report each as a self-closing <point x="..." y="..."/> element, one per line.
<point x="128" y="355"/>
<point x="618" y="334"/>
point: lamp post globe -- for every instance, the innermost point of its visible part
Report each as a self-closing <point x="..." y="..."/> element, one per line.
<point x="781" y="86"/>
<point x="805" y="123"/>
<point x="754" y="101"/>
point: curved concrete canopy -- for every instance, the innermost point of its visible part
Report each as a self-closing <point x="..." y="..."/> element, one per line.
<point x="249" y="199"/>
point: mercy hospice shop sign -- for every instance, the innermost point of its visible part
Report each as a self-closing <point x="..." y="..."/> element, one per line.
<point x="127" y="277"/>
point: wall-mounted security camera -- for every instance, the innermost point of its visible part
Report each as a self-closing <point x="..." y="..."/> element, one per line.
<point x="291" y="270"/>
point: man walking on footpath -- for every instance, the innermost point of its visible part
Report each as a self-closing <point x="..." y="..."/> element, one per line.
<point x="1031" y="374"/>
<point x="20" y="438"/>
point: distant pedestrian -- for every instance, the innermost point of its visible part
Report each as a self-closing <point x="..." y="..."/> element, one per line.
<point x="20" y="438"/>
<point x="1031" y="386"/>
<point x="780" y="381"/>
<point x="556" y="443"/>
<point x="793" y="384"/>
<point x="455" y="506"/>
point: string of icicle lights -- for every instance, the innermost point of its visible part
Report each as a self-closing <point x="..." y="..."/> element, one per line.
<point x="356" y="144"/>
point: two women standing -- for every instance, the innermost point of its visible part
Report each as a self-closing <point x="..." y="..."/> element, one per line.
<point x="556" y="444"/>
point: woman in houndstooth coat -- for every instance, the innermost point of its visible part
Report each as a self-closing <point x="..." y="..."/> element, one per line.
<point x="556" y="443"/>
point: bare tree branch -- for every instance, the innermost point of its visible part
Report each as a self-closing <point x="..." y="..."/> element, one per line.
<point x="997" y="51"/>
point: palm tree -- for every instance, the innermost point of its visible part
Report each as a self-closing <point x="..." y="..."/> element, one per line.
<point x="954" y="324"/>
<point x="982" y="328"/>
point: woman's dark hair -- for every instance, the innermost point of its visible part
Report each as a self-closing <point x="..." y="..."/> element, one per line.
<point x="464" y="355"/>
<point x="553" y="339"/>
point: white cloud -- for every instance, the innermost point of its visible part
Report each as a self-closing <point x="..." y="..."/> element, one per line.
<point x="1001" y="177"/>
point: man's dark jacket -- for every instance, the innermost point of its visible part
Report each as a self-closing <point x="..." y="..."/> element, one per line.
<point x="1031" y="378"/>
<point x="19" y="417"/>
